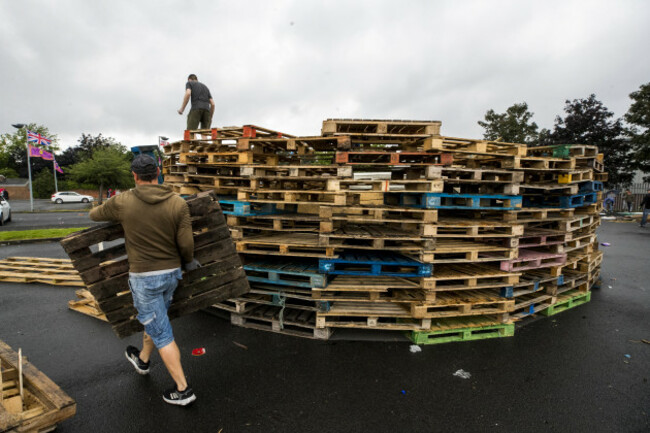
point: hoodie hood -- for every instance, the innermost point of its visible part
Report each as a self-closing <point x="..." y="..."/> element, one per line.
<point x="152" y="194"/>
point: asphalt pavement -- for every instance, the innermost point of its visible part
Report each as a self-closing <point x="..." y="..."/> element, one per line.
<point x="46" y="205"/>
<point x="47" y="215"/>
<point x="584" y="370"/>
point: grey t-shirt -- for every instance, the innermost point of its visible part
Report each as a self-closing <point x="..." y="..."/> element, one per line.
<point x="200" y="95"/>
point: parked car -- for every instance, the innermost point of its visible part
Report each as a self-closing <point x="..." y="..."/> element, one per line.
<point x="5" y="211"/>
<point x="71" y="197"/>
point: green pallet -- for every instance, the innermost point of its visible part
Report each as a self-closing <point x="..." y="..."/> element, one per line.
<point x="462" y="334"/>
<point x="562" y="151"/>
<point x="567" y="304"/>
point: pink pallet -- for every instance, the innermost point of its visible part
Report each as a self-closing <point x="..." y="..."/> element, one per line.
<point x="533" y="260"/>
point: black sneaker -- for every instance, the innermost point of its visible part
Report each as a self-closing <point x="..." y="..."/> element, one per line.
<point x="174" y="396"/>
<point x="133" y="355"/>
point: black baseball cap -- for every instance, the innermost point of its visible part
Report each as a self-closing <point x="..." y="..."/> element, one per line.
<point x="144" y="164"/>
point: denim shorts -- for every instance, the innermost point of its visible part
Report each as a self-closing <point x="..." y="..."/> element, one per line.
<point x="152" y="296"/>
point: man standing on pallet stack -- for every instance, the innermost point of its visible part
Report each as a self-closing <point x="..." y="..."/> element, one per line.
<point x="202" y="104"/>
<point x="158" y="238"/>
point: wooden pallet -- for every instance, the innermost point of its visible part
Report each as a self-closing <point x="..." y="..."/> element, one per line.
<point x="356" y="288"/>
<point x="563" y="151"/>
<point x="298" y="323"/>
<point x="295" y="273"/>
<point x="380" y="127"/>
<point x="568" y="301"/>
<point x="463" y="251"/>
<point x="338" y="198"/>
<point x="466" y="303"/>
<point x="474" y="146"/>
<point x="539" y="237"/>
<point x="106" y="272"/>
<point x="459" y="201"/>
<point x="454" y="277"/>
<point x="376" y="237"/>
<point x="470" y="328"/>
<point x="58" y="272"/>
<point x="541" y="164"/>
<point x="529" y="304"/>
<point x="30" y="401"/>
<point x="530" y="259"/>
<point x="373" y="158"/>
<point x="86" y="304"/>
<point x="374" y="264"/>
<point x="294" y="244"/>
<point x="418" y="219"/>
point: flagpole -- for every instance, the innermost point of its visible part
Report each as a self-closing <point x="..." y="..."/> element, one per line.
<point x="56" y="187"/>
<point x="29" y="171"/>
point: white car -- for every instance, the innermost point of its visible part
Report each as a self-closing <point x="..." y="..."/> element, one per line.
<point x="71" y="197"/>
<point x="5" y="211"/>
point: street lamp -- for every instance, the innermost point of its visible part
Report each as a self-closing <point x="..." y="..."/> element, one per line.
<point x="29" y="165"/>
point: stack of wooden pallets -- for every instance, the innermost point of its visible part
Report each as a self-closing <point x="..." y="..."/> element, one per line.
<point x="381" y="224"/>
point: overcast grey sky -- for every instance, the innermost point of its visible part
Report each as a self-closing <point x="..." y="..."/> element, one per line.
<point x="119" y="67"/>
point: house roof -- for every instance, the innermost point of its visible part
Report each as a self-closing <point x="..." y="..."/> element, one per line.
<point x="14" y="181"/>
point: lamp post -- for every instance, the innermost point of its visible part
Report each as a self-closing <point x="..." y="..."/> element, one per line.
<point x="29" y="165"/>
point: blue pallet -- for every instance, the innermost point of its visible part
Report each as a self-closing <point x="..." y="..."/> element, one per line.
<point x="286" y="273"/>
<point x="394" y="265"/>
<point x="246" y="208"/>
<point x="590" y="186"/>
<point x="560" y="202"/>
<point x="439" y="200"/>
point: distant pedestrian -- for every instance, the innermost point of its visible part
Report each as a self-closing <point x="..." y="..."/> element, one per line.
<point x="628" y="198"/>
<point x="645" y="206"/>
<point x="202" y="107"/>
<point x="609" y="200"/>
<point x="108" y="193"/>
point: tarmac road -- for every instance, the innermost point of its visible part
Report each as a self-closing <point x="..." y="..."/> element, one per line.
<point x="47" y="220"/>
<point x="566" y="373"/>
<point x="45" y="205"/>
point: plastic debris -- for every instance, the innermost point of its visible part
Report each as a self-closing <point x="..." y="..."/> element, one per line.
<point x="403" y="392"/>
<point x="415" y="348"/>
<point x="605" y="244"/>
<point x="198" y="351"/>
<point x="628" y="356"/>
<point x="240" y="345"/>
<point x="463" y="374"/>
<point x="609" y="287"/>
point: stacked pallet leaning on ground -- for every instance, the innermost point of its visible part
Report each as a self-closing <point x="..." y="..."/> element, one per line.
<point x="29" y="400"/>
<point x="43" y="270"/>
<point x="388" y="225"/>
<point x="105" y="270"/>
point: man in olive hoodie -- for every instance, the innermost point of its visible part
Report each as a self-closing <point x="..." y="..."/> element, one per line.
<point x="158" y="240"/>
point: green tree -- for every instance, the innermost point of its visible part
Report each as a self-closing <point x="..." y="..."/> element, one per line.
<point x="588" y="121"/>
<point x="43" y="184"/>
<point x="513" y="126"/>
<point x="14" y="145"/>
<point x="108" y="167"/>
<point x="638" y="116"/>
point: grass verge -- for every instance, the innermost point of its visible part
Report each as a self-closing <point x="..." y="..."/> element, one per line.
<point x="37" y="234"/>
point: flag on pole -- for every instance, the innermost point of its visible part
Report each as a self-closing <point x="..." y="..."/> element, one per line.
<point x="34" y="137"/>
<point x="37" y="152"/>
<point x="57" y="168"/>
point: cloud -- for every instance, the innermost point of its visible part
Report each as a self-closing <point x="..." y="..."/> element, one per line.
<point x="119" y="67"/>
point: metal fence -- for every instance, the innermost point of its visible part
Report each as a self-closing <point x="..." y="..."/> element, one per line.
<point x="639" y="190"/>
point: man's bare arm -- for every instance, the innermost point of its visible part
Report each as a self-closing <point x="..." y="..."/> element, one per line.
<point x="186" y="99"/>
